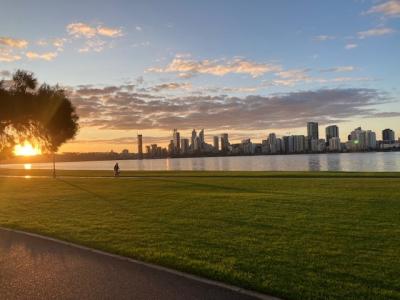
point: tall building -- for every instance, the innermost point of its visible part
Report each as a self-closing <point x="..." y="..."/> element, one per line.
<point x="224" y="142"/>
<point x="201" y="136"/>
<point x="184" y="146"/>
<point x="362" y="140"/>
<point x="331" y="132"/>
<point x="272" y="143"/>
<point x="216" y="143"/>
<point x="299" y="142"/>
<point x="140" y="146"/>
<point x="370" y="137"/>
<point x="176" y="141"/>
<point x="312" y="130"/>
<point x="193" y="138"/>
<point x="334" y="144"/>
<point x="388" y="136"/>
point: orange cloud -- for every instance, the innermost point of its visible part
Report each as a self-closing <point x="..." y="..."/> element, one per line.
<point x="13" y="43"/>
<point x="44" y="56"/>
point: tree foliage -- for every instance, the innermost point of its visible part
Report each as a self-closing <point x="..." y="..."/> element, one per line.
<point x="43" y="114"/>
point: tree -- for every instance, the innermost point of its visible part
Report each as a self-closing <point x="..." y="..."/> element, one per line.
<point x="43" y="114"/>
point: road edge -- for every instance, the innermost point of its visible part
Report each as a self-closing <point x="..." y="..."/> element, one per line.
<point x="149" y="265"/>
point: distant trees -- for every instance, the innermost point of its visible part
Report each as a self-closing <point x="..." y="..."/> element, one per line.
<point x="42" y="114"/>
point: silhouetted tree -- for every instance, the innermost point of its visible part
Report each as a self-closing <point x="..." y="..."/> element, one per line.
<point x="27" y="112"/>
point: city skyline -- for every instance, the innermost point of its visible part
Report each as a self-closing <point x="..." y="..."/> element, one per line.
<point x="250" y="69"/>
<point x="328" y="141"/>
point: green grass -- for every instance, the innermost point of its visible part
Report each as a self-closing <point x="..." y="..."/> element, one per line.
<point x="289" y="234"/>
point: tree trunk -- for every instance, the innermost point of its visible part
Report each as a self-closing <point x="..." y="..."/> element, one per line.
<point x="54" y="165"/>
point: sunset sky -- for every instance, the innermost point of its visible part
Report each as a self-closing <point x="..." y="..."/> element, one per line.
<point x="243" y="67"/>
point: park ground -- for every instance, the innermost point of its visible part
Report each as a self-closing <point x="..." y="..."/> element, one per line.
<point x="293" y="235"/>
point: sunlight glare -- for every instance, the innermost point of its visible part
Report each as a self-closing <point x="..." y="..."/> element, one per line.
<point x="27" y="166"/>
<point x="26" y="150"/>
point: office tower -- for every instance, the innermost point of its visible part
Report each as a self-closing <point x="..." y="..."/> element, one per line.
<point x="224" y="142"/>
<point x="288" y="144"/>
<point x="192" y="139"/>
<point x="312" y="130"/>
<point x="184" y="146"/>
<point x="216" y="143"/>
<point x="331" y="132"/>
<point x="176" y="141"/>
<point x="388" y="136"/>
<point x="197" y="144"/>
<point x="140" y="146"/>
<point x="201" y="136"/>
<point x="171" y="147"/>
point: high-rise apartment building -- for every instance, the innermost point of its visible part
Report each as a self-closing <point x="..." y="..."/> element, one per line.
<point x="331" y="132"/>
<point x="388" y="136"/>
<point x="312" y="130"/>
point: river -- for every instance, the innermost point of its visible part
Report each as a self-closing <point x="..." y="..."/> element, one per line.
<point x="356" y="162"/>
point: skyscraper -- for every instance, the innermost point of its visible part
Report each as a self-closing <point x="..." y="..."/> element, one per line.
<point x="184" y="146"/>
<point x="193" y="138"/>
<point x="272" y="143"/>
<point x="224" y="142"/>
<point x="201" y="136"/>
<point x="140" y="146"/>
<point x="331" y="132"/>
<point x="176" y="141"/>
<point x="388" y="136"/>
<point x="216" y="143"/>
<point x="312" y="130"/>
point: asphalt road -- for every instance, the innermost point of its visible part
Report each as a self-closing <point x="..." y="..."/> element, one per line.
<point x="35" y="268"/>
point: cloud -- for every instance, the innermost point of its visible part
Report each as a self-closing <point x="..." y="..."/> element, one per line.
<point x="118" y="108"/>
<point x="291" y="77"/>
<point x="171" y="86"/>
<point x="339" y="69"/>
<point x="6" y="55"/>
<point x="375" y="32"/>
<point x="323" y="38"/>
<point x="185" y="68"/>
<point x="13" y="43"/>
<point x="351" y="46"/>
<point x="79" y="30"/>
<point x="93" y="36"/>
<point x="138" y="28"/>
<point x="95" y="45"/>
<point x="109" y="32"/>
<point x="59" y="43"/>
<point x="389" y="8"/>
<point x="49" y="56"/>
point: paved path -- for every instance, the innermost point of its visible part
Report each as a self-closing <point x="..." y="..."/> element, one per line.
<point x="32" y="267"/>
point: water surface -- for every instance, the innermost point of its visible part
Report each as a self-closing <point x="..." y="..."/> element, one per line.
<point x="360" y="162"/>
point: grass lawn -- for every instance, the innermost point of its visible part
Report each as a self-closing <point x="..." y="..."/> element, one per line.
<point x="292" y="235"/>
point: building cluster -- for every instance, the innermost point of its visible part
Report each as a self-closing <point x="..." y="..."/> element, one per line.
<point x="358" y="140"/>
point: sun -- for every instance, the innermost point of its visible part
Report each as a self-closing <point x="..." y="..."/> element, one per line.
<point x="26" y="150"/>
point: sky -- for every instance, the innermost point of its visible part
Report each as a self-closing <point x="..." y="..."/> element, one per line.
<point x="248" y="68"/>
